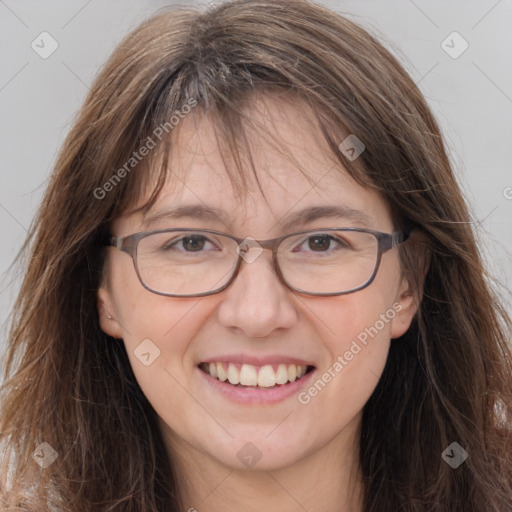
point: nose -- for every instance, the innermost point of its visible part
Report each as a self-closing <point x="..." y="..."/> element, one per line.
<point x="257" y="303"/>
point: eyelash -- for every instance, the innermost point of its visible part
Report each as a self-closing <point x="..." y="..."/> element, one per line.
<point x="203" y="238"/>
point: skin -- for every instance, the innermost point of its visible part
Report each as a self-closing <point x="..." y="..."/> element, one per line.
<point x="309" y="453"/>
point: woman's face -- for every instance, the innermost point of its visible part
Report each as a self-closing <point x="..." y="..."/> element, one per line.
<point x="257" y="320"/>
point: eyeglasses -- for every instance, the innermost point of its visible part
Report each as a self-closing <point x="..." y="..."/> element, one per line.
<point x="199" y="262"/>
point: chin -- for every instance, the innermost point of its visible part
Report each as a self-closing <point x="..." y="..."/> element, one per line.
<point x="256" y="453"/>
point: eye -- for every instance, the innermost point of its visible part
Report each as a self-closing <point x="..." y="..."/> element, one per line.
<point x="319" y="242"/>
<point x="190" y="243"/>
<point x="322" y="243"/>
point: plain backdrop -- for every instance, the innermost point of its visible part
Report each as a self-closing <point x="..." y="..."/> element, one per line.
<point x="470" y="93"/>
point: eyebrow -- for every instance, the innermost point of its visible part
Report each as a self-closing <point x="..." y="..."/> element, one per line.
<point x="303" y="217"/>
<point x="314" y="213"/>
<point x="199" y="212"/>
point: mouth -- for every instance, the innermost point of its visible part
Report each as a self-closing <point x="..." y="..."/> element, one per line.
<point x="256" y="377"/>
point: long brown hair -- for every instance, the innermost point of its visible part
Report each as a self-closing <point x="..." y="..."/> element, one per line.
<point x="448" y="379"/>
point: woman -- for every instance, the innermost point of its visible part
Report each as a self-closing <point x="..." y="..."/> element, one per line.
<point x="253" y="284"/>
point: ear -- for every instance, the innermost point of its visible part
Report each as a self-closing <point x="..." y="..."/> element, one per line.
<point x="406" y="306"/>
<point x="107" y="316"/>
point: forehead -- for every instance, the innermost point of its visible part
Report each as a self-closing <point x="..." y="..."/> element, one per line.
<point x="286" y="164"/>
<point x="280" y="139"/>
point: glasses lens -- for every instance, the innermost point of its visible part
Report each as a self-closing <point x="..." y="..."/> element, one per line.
<point x="328" y="261"/>
<point x="186" y="262"/>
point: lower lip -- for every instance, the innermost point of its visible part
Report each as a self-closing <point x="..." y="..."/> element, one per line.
<point x="257" y="395"/>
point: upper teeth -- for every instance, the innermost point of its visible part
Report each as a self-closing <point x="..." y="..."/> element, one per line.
<point x="249" y="375"/>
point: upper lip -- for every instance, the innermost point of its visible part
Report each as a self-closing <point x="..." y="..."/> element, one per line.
<point x="257" y="360"/>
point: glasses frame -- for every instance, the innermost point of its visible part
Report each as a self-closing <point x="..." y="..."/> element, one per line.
<point x="385" y="242"/>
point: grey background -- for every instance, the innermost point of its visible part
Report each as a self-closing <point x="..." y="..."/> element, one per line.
<point x="470" y="95"/>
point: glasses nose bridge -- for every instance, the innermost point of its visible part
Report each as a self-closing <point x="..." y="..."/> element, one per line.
<point x="271" y="244"/>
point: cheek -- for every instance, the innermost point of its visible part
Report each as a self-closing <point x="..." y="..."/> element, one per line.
<point x="157" y="330"/>
<point x="146" y="315"/>
<point x="356" y="331"/>
<point x="348" y="315"/>
<point x="357" y="342"/>
<point x="159" y="337"/>
<point x="355" y="319"/>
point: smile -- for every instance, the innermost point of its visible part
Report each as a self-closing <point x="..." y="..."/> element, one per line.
<point x="248" y="375"/>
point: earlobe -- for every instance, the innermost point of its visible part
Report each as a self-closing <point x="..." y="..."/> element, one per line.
<point x="406" y="309"/>
<point x="107" y="319"/>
